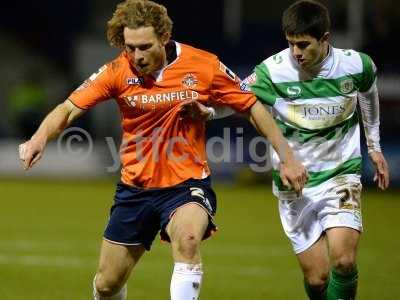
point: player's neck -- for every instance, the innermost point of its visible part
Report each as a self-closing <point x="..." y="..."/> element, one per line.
<point x="168" y="57"/>
<point x="170" y="51"/>
<point x="324" y="54"/>
<point x="321" y="61"/>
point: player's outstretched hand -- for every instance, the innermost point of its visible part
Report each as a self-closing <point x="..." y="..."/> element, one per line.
<point x="30" y="152"/>
<point x="293" y="175"/>
<point x="381" y="169"/>
<point x="195" y="110"/>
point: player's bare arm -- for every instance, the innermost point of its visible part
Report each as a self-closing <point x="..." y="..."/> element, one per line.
<point x="54" y="123"/>
<point x="292" y="172"/>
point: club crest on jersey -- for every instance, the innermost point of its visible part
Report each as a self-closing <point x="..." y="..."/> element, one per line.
<point x="346" y="86"/>
<point x="134" y="80"/>
<point x="227" y="71"/>
<point x="293" y="92"/>
<point x="190" y="81"/>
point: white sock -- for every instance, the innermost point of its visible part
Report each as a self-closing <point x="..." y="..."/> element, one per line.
<point x="186" y="281"/>
<point x="121" y="295"/>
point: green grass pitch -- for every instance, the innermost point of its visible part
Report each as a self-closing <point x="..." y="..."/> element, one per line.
<point x="50" y="232"/>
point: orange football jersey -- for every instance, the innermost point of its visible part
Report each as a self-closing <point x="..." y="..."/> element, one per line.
<point x="159" y="148"/>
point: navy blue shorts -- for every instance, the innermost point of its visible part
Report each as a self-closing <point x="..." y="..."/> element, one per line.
<point x="139" y="214"/>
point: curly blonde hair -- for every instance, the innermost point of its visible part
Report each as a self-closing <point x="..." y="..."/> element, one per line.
<point x="135" y="14"/>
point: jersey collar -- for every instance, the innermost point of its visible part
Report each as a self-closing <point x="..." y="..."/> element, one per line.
<point x="158" y="75"/>
<point x="324" y="68"/>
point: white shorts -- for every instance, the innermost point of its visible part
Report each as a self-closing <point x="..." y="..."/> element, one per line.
<point x="334" y="203"/>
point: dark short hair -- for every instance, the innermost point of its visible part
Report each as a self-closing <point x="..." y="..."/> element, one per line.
<point x="306" y="17"/>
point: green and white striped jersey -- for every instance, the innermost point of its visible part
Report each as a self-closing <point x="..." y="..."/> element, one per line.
<point x="316" y="113"/>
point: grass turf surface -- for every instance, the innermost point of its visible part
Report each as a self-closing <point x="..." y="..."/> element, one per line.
<point x="50" y="232"/>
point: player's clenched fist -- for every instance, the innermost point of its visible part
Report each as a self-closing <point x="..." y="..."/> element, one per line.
<point x="293" y="175"/>
<point x="30" y="152"/>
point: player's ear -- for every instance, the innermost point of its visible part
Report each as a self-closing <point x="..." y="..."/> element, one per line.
<point x="165" y="38"/>
<point x="325" y="37"/>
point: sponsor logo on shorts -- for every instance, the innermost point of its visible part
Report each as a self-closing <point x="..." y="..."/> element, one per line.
<point x="198" y="192"/>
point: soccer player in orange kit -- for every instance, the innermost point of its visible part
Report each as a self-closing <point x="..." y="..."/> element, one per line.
<point x="165" y="183"/>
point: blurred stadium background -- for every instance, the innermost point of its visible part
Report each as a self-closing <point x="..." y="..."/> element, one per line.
<point x="51" y="218"/>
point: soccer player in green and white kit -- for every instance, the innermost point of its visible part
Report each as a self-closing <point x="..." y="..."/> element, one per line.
<point x="313" y="89"/>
